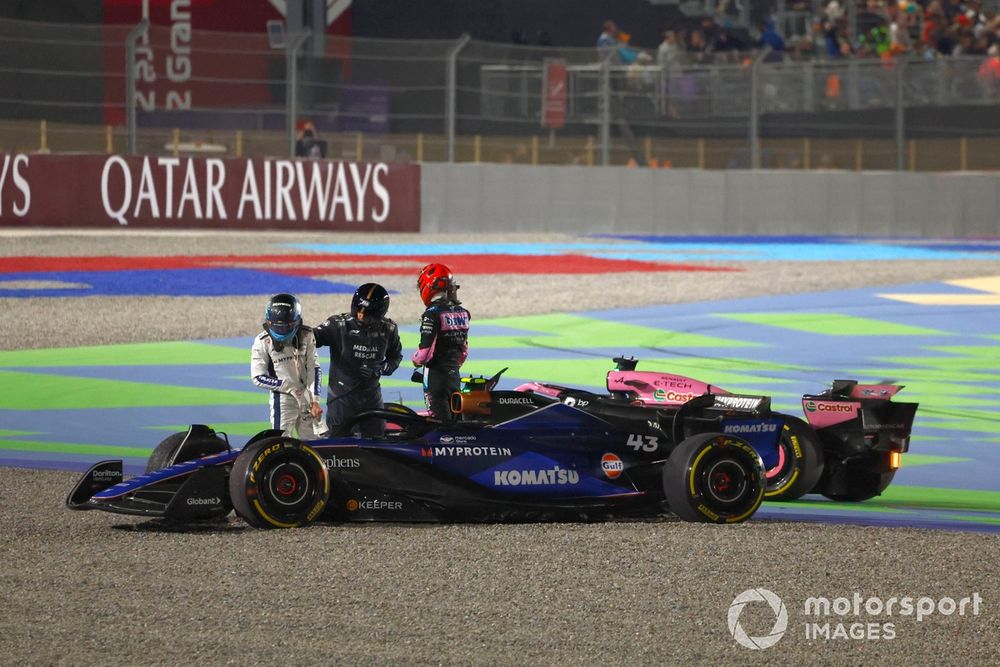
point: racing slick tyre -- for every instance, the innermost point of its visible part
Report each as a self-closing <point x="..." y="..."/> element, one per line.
<point x="714" y="478"/>
<point x="279" y="483"/>
<point x="800" y="462"/>
<point x="202" y="443"/>
<point x="860" y="484"/>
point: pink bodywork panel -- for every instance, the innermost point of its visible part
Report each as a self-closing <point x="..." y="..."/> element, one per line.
<point x="538" y="388"/>
<point x="885" y="391"/>
<point x="821" y="414"/>
<point x="659" y="388"/>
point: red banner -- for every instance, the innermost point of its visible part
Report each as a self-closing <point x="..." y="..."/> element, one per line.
<point x="185" y="193"/>
<point x="555" y="93"/>
<point x="203" y="54"/>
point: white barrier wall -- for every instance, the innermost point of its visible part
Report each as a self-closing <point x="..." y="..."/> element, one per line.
<point x="501" y="198"/>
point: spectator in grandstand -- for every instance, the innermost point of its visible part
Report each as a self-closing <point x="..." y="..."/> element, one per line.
<point x="989" y="72"/>
<point x="668" y="53"/>
<point x="772" y="41"/>
<point x="609" y="35"/>
<point x="308" y="144"/>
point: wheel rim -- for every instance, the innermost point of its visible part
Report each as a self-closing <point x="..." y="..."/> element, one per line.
<point x="725" y="481"/>
<point x="288" y="484"/>
<point x="778" y="475"/>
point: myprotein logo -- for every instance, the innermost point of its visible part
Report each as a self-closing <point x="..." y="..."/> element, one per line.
<point x="757" y="595"/>
<point x="170" y="188"/>
<point x="431" y="452"/>
<point x="738" y="402"/>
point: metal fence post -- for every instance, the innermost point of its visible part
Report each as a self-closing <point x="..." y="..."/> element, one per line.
<point x="900" y="116"/>
<point x="295" y="43"/>
<point x="755" y="110"/>
<point x="605" y="107"/>
<point x="130" y="41"/>
<point x="452" y="92"/>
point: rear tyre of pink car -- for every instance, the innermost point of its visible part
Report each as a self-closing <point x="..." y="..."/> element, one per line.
<point x="800" y="462"/>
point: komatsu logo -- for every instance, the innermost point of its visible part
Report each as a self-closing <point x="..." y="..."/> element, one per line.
<point x="738" y="402"/>
<point x="750" y="428"/>
<point x="552" y="476"/>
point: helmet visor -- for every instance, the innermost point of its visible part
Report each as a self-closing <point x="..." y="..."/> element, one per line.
<point x="282" y="328"/>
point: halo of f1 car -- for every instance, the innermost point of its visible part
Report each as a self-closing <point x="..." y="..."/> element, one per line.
<point x="541" y="452"/>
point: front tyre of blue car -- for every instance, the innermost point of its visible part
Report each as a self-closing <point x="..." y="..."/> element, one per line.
<point x="181" y="447"/>
<point x="279" y="483"/>
<point x="714" y="478"/>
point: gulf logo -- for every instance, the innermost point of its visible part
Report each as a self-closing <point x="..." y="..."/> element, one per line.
<point x="612" y="466"/>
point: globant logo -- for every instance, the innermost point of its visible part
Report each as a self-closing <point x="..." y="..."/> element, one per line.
<point x="780" y="618"/>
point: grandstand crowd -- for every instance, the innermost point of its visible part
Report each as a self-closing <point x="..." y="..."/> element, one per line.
<point x="927" y="29"/>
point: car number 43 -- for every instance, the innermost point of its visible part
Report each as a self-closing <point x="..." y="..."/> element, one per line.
<point x="642" y="443"/>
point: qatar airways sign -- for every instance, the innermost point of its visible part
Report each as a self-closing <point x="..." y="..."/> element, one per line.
<point x="89" y="190"/>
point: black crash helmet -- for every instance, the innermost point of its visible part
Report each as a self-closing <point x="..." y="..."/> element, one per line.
<point x="370" y="302"/>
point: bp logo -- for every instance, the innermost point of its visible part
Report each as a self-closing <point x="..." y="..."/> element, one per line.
<point x="736" y="610"/>
<point x="810" y="406"/>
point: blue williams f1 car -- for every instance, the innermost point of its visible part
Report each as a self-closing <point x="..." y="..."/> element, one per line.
<point x="509" y="456"/>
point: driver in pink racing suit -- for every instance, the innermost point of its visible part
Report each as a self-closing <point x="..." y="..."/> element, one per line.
<point x="444" y="338"/>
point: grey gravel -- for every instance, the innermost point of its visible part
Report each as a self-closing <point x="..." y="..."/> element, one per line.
<point x="86" y="587"/>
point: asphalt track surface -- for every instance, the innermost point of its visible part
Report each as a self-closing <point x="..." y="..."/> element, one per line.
<point x="85" y="587"/>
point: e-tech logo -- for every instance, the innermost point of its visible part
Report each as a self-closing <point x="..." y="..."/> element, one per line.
<point x="820" y="406"/>
<point x="736" y="610"/>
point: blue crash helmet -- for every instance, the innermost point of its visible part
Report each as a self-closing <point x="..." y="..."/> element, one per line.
<point x="282" y="317"/>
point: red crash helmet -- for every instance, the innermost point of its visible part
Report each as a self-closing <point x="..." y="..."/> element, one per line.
<point x="433" y="279"/>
